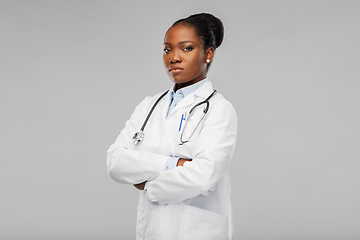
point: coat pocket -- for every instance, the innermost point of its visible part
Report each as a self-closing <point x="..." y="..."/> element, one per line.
<point x="201" y="224"/>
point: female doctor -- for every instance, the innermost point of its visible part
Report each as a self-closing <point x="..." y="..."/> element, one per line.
<point x="177" y="146"/>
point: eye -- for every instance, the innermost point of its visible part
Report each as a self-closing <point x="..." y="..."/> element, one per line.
<point x="188" y="49"/>
<point x="166" y="50"/>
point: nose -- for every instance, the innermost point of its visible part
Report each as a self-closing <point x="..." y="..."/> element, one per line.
<point x="175" y="57"/>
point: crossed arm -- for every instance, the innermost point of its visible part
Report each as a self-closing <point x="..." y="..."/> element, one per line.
<point x="209" y="163"/>
<point x="180" y="163"/>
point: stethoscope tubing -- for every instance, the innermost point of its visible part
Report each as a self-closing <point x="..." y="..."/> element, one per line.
<point x="152" y="109"/>
<point x="205" y="101"/>
<point x="206" y="109"/>
<point x="138" y="136"/>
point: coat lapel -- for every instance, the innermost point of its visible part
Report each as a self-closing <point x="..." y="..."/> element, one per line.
<point x="203" y="92"/>
<point x="165" y="102"/>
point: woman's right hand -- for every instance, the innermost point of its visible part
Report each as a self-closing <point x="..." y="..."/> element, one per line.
<point x="181" y="162"/>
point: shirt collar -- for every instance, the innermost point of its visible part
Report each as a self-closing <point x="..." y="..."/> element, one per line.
<point x="185" y="91"/>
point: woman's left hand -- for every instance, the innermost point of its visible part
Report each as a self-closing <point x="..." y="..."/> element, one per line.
<point x="140" y="186"/>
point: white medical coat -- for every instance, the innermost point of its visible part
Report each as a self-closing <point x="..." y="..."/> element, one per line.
<point x="192" y="202"/>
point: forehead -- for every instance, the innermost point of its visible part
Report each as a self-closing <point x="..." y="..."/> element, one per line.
<point x="181" y="33"/>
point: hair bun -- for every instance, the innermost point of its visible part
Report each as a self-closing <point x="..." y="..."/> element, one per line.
<point x="215" y="24"/>
<point x="207" y="26"/>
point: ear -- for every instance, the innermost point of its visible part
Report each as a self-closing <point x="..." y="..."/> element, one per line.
<point x="209" y="54"/>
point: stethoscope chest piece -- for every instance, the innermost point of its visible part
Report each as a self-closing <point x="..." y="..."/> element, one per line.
<point x="138" y="137"/>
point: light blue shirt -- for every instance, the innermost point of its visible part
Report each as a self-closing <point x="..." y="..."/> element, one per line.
<point x="175" y="98"/>
<point x="179" y="95"/>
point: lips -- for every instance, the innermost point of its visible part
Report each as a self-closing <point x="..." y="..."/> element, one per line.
<point x="175" y="69"/>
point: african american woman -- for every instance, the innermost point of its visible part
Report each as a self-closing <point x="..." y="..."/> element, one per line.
<point x="177" y="146"/>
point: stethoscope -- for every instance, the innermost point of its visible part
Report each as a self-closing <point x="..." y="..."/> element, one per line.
<point x="139" y="136"/>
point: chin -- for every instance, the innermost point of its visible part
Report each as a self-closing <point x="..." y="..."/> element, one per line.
<point x="175" y="79"/>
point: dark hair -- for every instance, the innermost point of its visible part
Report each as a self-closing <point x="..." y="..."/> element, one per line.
<point x="209" y="28"/>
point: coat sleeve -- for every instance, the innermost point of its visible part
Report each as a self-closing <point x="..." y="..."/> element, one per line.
<point x="213" y="150"/>
<point x="126" y="165"/>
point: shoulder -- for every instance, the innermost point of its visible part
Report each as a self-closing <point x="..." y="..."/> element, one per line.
<point x="221" y="114"/>
<point x="150" y="100"/>
<point x="220" y="103"/>
<point x="159" y="96"/>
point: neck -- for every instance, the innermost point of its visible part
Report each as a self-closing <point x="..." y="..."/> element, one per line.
<point x="178" y="86"/>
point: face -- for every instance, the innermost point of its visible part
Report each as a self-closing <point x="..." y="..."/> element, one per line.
<point x="184" y="56"/>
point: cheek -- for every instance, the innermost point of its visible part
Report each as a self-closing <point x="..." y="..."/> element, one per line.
<point x="197" y="63"/>
<point x="165" y="58"/>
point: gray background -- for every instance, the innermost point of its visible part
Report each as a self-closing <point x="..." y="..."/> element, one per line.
<point x="72" y="72"/>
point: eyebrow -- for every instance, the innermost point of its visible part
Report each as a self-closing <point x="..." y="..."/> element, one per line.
<point x="182" y="42"/>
